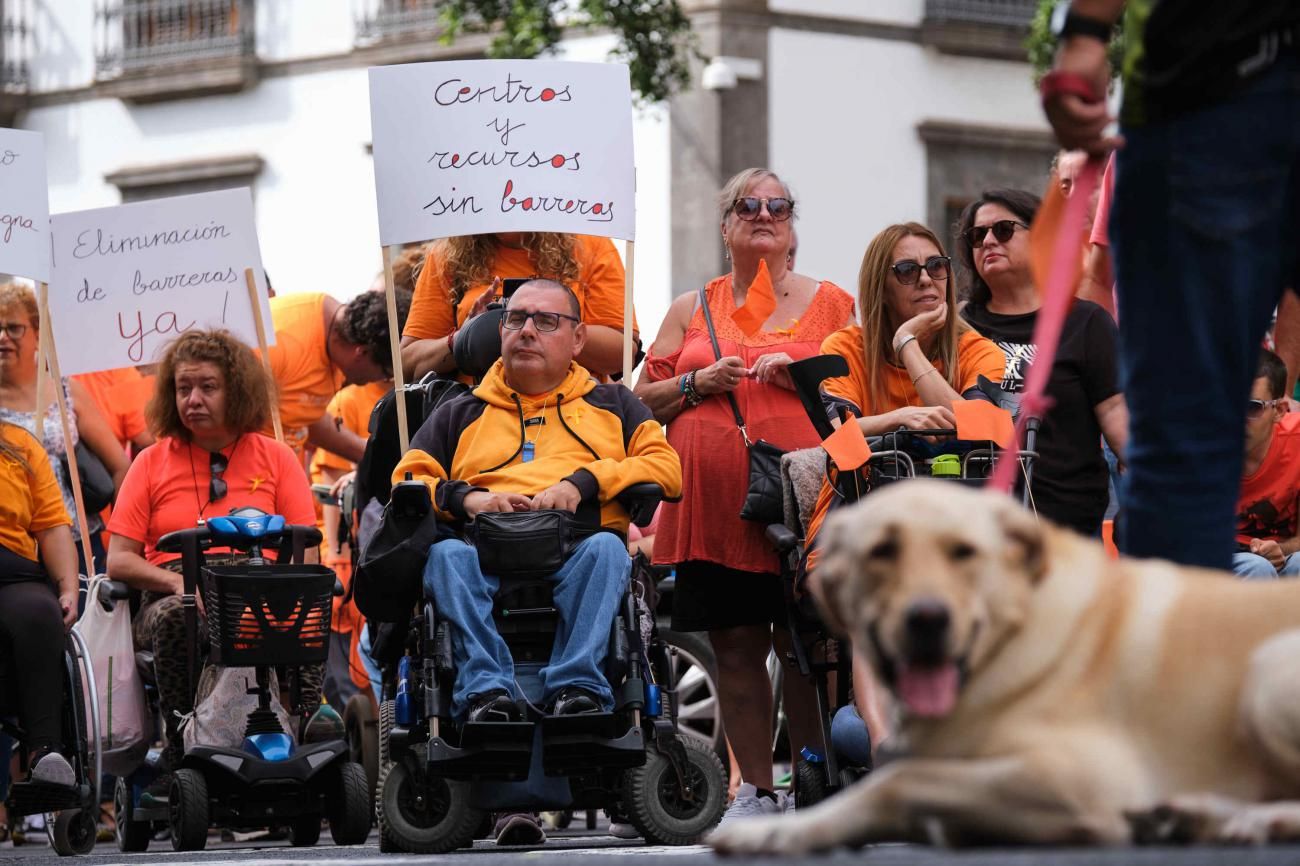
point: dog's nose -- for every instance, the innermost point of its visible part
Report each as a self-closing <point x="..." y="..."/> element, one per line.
<point x="926" y="623"/>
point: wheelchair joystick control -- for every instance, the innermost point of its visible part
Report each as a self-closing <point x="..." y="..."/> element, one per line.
<point x="410" y="499"/>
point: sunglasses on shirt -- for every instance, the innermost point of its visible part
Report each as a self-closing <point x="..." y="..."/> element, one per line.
<point x="217" y="465"/>
<point x="1002" y="232"/>
<point x="908" y="272"/>
<point x="748" y="208"/>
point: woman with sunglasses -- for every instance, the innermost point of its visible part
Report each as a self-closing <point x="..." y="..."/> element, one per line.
<point x="19" y="340"/>
<point x="461" y="275"/>
<point x="1071" y="479"/>
<point x="211" y="399"/>
<point x="728" y="580"/>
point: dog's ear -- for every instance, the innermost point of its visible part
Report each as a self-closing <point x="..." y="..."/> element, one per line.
<point x="1026" y="538"/>
<point x="827" y="581"/>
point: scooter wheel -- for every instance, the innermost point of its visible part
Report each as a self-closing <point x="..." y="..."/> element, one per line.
<point x="132" y="836"/>
<point x="187" y="810"/>
<point x="349" y="807"/>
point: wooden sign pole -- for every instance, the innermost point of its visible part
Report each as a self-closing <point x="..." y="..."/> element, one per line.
<point x="75" y="480"/>
<point x="264" y="347"/>
<point x="44" y="338"/>
<point x="629" y="318"/>
<point x="395" y="346"/>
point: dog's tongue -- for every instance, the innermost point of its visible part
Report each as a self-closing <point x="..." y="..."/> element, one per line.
<point x="928" y="691"/>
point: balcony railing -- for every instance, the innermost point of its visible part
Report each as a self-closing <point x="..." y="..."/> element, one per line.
<point x="15" y="44"/>
<point x="378" y="20"/>
<point x="993" y="28"/>
<point x="200" y="45"/>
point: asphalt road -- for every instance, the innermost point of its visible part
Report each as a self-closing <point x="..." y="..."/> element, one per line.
<point x="596" y="848"/>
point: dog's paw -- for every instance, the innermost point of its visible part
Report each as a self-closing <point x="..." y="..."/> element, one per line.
<point x="1261" y="825"/>
<point x="1183" y="820"/>
<point x="777" y="835"/>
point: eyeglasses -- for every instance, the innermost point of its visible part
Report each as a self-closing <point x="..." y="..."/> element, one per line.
<point x="13" y="330"/>
<point x="1002" y="232"/>
<point x="1254" y="408"/>
<point x="749" y="207"/>
<point x="543" y="321"/>
<point x="908" y="272"/>
<point x="217" y="465"/>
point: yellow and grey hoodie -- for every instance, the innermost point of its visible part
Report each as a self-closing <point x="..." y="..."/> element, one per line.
<point x="600" y="437"/>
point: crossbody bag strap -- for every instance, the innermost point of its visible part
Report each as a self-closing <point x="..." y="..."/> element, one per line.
<point x="717" y="353"/>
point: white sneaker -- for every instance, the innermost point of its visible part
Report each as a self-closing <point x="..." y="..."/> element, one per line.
<point x="623" y="830"/>
<point x="786" y="801"/>
<point x="748" y="804"/>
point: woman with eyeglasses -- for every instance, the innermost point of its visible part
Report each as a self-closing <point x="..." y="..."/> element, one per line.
<point x="210" y="401"/>
<point x="19" y="341"/>
<point x="461" y="275"/>
<point x="728" y="580"/>
<point x="1070" y="480"/>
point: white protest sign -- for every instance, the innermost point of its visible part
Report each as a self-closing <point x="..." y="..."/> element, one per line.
<point x="24" y="206"/>
<point x="126" y="280"/>
<point x="477" y="146"/>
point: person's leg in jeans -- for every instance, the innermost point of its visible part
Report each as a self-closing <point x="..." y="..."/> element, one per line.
<point x="1252" y="566"/>
<point x="1291" y="568"/>
<point x="1203" y="229"/>
<point x="587" y="593"/>
<point x="463" y="594"/>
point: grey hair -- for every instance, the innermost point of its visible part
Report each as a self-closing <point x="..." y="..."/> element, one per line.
<point x="743" y="180"/>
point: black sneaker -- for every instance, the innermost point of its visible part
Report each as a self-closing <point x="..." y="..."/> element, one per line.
<point x="494" y="706"/>
<point x="156" y="793"/>
<point x="575" y="701"/>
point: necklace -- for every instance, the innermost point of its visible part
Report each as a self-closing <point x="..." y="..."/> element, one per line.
<point x="529" y="448"/>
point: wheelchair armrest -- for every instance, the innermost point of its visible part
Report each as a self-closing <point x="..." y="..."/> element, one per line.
<point x="781" y="537"/>
<point x="640" y="500"/>
<point x="410" y="499"/>
<point x="111" y="591"/>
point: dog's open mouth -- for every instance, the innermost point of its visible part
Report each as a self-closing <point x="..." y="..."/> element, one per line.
<point x="927" y="689"/>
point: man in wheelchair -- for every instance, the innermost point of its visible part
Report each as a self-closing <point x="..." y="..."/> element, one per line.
<point x="537" y="436"/>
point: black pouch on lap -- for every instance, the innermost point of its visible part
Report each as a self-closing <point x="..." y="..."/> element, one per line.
<point x="522" y="544"/>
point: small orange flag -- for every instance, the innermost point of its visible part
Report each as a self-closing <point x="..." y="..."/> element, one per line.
<point x="1042" y="240"/>
<point x="847" y="446"/>
<point x="978" y="421"/>
<point x="759" y="304"/>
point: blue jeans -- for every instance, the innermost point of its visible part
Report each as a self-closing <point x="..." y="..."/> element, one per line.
<point x="587" y="593"/>
<point x="1204" y="232"/>
<point x="1252" y="566"/>
<point x="850" y="737"/>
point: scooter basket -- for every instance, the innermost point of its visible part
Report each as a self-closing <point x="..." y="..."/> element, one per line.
<point x="268" y="614"/>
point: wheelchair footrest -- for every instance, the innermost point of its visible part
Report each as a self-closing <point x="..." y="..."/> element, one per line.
<point x="488" y="750"/>
<point x="575" y="744"/>
<point x="32" y="798"/>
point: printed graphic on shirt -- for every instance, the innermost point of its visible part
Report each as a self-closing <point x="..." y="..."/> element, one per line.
<point x="1264" y="519"/>
<point x="1019" y="357"/>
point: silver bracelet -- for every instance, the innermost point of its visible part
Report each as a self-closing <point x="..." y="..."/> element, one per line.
<point x="898" y="350"/>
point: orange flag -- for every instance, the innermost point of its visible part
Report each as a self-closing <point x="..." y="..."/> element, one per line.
<point x="980" y="421"/>
<point x="760" y="303"/>
<point x="1042" y="240"/>
<point x="847" y="446"/>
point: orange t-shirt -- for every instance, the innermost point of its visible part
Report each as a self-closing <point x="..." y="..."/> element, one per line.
<point x="167" y="488"/>
<point x="599" y="288"/>
<point x="350" y="409"/>
<point x="300" y="364"/>
<point x="121" y="396"/>
<point x="976" y="356"/>
<point x="1268" y="505"/>
<point x="30" y="500"/>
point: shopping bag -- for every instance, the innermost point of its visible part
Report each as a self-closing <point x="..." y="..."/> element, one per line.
<point x="123" y="718"/>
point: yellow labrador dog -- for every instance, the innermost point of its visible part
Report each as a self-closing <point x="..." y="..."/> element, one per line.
<point x="1049" y="694"/>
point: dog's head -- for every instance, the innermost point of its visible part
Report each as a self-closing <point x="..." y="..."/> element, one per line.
<point x="927" y="578"/>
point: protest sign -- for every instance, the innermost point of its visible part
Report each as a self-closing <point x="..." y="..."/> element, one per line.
<point x="475" y="146"/>
<point x="127" y="280"/>
<point x="24" y="206"/>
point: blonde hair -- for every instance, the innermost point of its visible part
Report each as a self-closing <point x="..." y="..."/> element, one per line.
<point x="743" y="180"/>
<point x="467" y="259"/>
<point x="877" y="335"/>
<point x="17" y="296"/>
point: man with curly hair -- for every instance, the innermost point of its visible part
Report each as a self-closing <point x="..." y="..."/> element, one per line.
<point x="320" y="346"/>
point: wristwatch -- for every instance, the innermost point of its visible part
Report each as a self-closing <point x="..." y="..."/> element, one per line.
<point x="1066" y="23"/>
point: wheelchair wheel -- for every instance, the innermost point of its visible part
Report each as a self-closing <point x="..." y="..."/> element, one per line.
<point x="132" y="836"/>
<point x="304" y="831"/>
<point x="654" y="802"/>
<point x="422" y="814"/>
<point x="810" y="783"/>
<point x="187" y="810"/>
<point x="361" y="723"/>
<point x="72" y="831"/>
<point x="349" y="808"/>
<point x="695" y="670"/>
<point x="386" y="709"/>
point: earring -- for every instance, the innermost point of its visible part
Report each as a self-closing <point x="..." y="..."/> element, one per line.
<point x="726" y="250"/>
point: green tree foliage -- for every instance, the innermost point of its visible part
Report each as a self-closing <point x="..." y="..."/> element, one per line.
<point x="654" y="36"/>
<point x="1041" y="44"/>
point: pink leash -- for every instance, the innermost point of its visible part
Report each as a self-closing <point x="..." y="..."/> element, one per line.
<point x="1058" y="294"/>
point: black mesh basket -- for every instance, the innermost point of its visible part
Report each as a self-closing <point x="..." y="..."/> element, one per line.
<point x="268" y="614"/>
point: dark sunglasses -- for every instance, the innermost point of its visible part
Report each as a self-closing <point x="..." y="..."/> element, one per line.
<point x="749" y="207"/>
<point x="908" y="272"/>
<point x="1002" y="232"/>
<point x="1254" y="408"/>
<point x="543" y="321"/>
<point x="217" y="465"/>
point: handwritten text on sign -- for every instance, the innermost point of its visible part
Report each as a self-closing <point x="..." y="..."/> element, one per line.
<point x="127" y="280"/>
<point x="468" y="147"/>
<point x="24" y="206"/>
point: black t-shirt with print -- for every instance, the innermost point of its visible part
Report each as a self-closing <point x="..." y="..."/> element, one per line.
<point x="1070" y="477"/>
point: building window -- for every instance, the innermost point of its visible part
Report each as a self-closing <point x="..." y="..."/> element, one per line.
<point x="984" y="28"/>
<point x="379" y="20"/>
<point x="159" y="180"/>
<point x="15" y="49"/>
